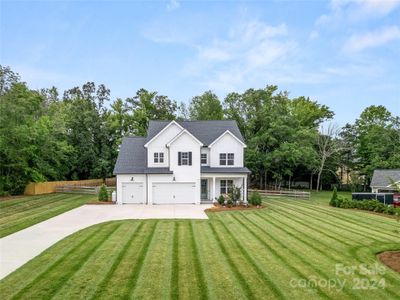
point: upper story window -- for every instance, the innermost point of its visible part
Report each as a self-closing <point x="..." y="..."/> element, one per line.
<point x="184" y="158"/>
<point x="203" y="159"/>
<point x="158" y="157"/>
<point x="227" y="159"/>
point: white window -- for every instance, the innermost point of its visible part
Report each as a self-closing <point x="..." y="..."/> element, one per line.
<point x="204" y="158"/>
<point x="226" y="186"/>
<point x="184" y="158"/>
<point x="158" y="157"/>
<point x="231" y="159"/>
<point x="226" y="159"/>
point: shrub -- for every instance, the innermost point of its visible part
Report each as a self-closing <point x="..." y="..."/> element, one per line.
<point x="255" y="198"/>
<point x="103" y="193"/>
<point x="334" y="198"/>
<point x="346" y="203"/>
<point x="235" y="194"/>
<point x="221" y="199"/>
<point x="229" y="202"/>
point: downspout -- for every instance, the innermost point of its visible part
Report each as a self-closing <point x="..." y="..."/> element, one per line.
<point x="147" y="189"/>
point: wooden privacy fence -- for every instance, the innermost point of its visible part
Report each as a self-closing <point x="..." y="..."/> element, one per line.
<point x="284" y="193"/>
<point x="38" y="188"/>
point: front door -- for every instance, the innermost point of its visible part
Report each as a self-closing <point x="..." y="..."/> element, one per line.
<point x="204" y="189"/>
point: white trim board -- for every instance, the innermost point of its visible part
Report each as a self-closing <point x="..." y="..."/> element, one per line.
<point x="165" y="128"/>
<point x="227" y="132"/>
<point x="180" y="134"/>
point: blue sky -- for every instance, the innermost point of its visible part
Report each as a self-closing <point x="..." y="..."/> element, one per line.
<point x="345" y="54"/>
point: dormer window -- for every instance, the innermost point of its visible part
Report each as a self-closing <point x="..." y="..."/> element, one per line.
<point x="158" y="157"/>
<point x="226" y="159"/>
<point x="203" y="158"/>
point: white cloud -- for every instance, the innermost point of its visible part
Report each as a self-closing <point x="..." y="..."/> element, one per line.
<point x="172" y="5"/>
<point x="245" y="54"/>
<point x="344" y="12"/>
<point x="358" y="42"/>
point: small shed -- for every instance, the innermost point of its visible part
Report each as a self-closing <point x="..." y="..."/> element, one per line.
<point x="382" y="180"/>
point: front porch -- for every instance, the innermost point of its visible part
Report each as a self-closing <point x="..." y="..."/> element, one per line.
<point x="213" y="185"/>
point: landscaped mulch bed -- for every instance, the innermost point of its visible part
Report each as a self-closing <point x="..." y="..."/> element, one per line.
<point x="391" y="259"/>
<point x="218" y="207"/>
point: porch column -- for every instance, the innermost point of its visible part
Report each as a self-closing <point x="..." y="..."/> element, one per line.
<point x="245" y="190"/>
<point x="213" y="194"/>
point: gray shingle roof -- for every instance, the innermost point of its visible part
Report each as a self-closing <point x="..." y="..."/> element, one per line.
<point x="132" y="158"/>
<point x="381" y="178"/>
<point x="205" y="131"/>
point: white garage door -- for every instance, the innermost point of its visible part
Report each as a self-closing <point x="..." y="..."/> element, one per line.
<point x="132" y="192"/>
<point x="174" y="193"/>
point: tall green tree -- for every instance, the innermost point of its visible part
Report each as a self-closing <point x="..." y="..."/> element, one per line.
<point x="206" y="107"/>
<point x="86" y="120"/>
<point x="32" y="145"/>
<point x="146" y="106"/>
<point x="375" y="141"/>
<point x="279" y="131"/>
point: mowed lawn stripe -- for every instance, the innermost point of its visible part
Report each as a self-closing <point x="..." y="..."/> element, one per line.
<point x="300" y="272"/>
<point x="202" y="286"/>
<point x="310" y="225"/>
<point x="174" y="291"/>
<point x="189" y="287"/>
<point x="135" y="271"/>
<point x="118" y="285"/>
<point x="122" y="251"/>
<point x="34" y="209"/>
<point x="312" y="243"/>
<point x="267" y="280"/>
<point x="37" y="210"/>
<point x="239" y="277"/>
<point x="156" y="269"/>
<point x="332" y="220"/>
<point x="324" y="258"/>
<point x="346" y="221"/>
<point x="44" y="279"/>
<point x="82" y="282"/>
<point x="37" y="213"/>
<point x="313" y="220"/>
<point x="27" y="200"/>
<point x="362" y="216"/>
<point x="221" y="279"/>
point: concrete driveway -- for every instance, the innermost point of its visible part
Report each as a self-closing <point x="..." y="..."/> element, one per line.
<point x="20" y="247"/>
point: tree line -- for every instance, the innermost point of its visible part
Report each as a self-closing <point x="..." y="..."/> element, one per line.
<point x="46" y="136"/>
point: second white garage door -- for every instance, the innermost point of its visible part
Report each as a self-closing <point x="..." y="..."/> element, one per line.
<point x="174" y="193"/>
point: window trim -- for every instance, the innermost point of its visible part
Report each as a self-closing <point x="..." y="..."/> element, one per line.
<point x="158" y="157"/>
<point x="224" y="159"/>
<point x="230" y="161"/>
<point x="184" y="160"/>
<point x="201" y="158"/>
<point x="226" y="187"/>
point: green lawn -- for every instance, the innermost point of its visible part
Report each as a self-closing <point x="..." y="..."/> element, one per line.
<point x="20" y="213"/>
<point x="268" y="253"/>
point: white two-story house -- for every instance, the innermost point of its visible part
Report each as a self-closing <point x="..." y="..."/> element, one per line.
<point x="181" y="162"/>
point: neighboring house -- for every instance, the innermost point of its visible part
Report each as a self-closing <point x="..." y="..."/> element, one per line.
<point x="382" y="180"/>
<point x="181" y="162"/>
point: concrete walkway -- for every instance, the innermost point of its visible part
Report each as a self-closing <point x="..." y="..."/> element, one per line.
<point x="20" y="247"/>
